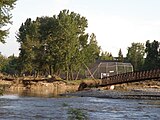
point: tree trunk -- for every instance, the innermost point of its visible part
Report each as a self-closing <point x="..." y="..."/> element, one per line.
<point x="67" y="75"/>
<point x="50" y="70"/>
<point x="72" y="77"/>
<point x="77" y="75"/>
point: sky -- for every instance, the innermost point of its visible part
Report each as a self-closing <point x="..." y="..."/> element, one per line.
<point x="116" y="23"/>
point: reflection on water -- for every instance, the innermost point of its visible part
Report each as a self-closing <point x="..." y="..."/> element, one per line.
<point x="9" y="97"/>
<point x="24" y="107"/>
<point x="32" y="93"/>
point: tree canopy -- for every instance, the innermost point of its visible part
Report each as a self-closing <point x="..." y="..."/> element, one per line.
<point x="5" y="17"/>
<point x="60" y="45"/>
<point x="152" y="50"/>
<point x="135" y="55"/>
<point x="54" y="44"/>
<point x="120" y="56"/>
<point x="105" y="56"/>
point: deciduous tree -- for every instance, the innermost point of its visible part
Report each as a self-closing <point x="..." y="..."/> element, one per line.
<point x="56" y="44"/>
<point x="5" y="17"/>
<point x="106" y="56"/>
<point x="135" y="55"/>
<point x="152" y="50"/>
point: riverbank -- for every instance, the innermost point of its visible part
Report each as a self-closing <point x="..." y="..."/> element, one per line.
<point x="115" y="94"/>
<point x="44" y="87"/>
<point x="137" y="90"/>
<point x="149" y="89"/>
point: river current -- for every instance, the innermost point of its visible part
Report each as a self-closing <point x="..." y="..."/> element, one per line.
<point x="15" y="107"/>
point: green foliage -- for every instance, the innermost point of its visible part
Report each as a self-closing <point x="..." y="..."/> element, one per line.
<point x="52" y="45"/>
<point x="91" y="51"/>
<point x="3" y="62"/>
<point x="120" y="56"/>
<point x="106" y="56"/>
<point x="29" y="44"/>
<point x="5" y="16"/>
<point x="135" y="55"/>
<point x="9" y="65"/>
<point x="152" y="60"/>
<point x="77" y="114"/>
<point x="12" y="66"/>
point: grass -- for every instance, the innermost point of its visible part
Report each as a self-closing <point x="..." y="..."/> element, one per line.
<point x="77" y="114"/>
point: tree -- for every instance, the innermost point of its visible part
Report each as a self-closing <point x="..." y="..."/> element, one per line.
<point x="71" y="26"/>
<point x="27" y="37"/>
<point x="11" y="66"/>
<point x="120" y="55"/>
<point x="47" y="45"/>
<point x="77" y="50"/>
<point x="135" y="55"/>
<point x="52" y="45"/>
<point x="152" y="60"/>
<point x="5" y="17"/>
<point x="92" y="50"/>
<point x="106" y="56"/>
<point x="3" y="62"/>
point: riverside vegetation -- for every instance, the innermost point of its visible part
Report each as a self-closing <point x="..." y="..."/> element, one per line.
<point x="59" y="45"/>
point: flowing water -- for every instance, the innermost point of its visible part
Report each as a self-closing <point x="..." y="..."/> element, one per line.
<point x="15" y="107"/>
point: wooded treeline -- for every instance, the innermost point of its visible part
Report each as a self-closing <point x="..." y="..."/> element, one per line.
<point x="55" y="45"/>
<point x="60" y="45"/>
<point x="144" y="56"/>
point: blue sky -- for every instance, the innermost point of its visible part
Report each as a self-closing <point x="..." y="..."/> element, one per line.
<point x="116" y="23"/>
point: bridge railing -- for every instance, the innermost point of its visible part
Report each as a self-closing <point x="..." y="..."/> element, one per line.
<point x="131" y="77"/>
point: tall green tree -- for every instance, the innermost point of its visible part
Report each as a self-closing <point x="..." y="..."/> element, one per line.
<point x="47" y="44"/>
<point x="93" y="50"/>
<point x="72" y="26"/>
<point x="152" y="50"/>
<point x="27" y="37"/>
<point x="5" y="17"/>
<point x="135" y="55"/>
<point x="120" y="56"/>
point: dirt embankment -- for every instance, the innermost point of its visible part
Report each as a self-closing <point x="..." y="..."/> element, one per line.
<point x="37" y="87"/>
<point x="91" y="88"/>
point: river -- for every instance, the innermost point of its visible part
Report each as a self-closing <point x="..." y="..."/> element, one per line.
<point x="15" y="107"/>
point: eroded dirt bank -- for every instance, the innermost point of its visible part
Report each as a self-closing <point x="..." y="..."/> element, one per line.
<point x="140" y="90"/>
<point x="37" y="88"/>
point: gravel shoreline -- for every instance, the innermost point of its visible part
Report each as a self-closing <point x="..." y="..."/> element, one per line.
<point x="137" y="90"/>
<point x="118" y="94"/>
